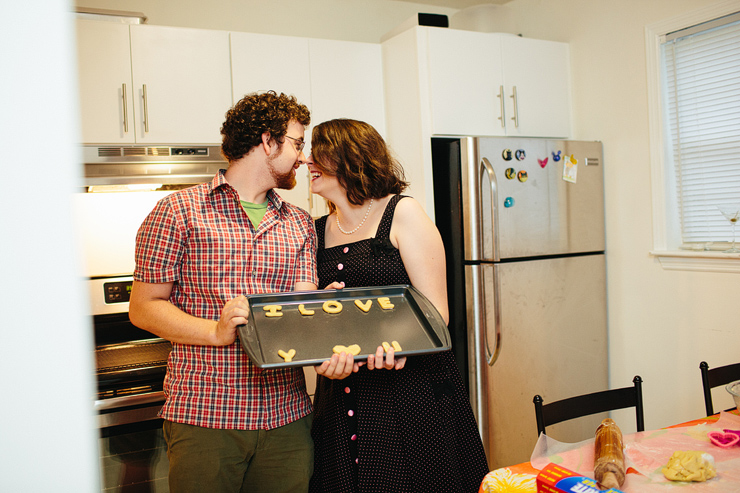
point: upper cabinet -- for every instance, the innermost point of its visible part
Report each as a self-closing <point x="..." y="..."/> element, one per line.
<point x="497" y="84"/>
<point x="152" y="84"/>
<point x="347" y="82"/>
<point x="442" y="82"/>
<point x="335" y="79"/>
<point x="261" y="62"/>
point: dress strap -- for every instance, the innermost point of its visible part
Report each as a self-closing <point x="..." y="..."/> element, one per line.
<point x="384" y="228"/>
<point x="320" y="225"/>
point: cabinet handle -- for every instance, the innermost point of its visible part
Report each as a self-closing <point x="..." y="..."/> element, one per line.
<point x="146" y="110"/>
<point x="503" y="106"/>
<point x="516" y="107"/>
<point x="125" y="109"/>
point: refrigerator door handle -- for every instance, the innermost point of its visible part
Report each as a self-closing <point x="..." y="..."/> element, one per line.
<point x="487" y="171"/>
<point x="492" y="356"/>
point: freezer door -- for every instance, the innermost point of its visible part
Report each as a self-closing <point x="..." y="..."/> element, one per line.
<point x="553" y="342"/>
<point x="529" y="207"/>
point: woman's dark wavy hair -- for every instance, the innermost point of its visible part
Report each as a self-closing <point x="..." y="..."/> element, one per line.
<point x="357" y="155"/>
<point x="255" y="114"/>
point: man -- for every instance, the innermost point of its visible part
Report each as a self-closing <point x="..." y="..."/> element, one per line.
<point x="229" y="425"/>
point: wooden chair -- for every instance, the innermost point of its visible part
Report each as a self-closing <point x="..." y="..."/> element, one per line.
<point x="722" y="375"/>
<point x="588" y="404"/>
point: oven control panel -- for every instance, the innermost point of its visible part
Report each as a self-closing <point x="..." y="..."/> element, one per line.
<point x="117" y="292"/>
<point x="110" y="294"/>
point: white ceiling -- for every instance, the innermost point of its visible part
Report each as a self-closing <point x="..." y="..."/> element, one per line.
<point x="458" y="4"/>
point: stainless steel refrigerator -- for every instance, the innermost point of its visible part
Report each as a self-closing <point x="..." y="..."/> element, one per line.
<point x="523" y="225"/>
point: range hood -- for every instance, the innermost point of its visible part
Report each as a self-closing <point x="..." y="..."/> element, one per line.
<point x="148" y="165"/>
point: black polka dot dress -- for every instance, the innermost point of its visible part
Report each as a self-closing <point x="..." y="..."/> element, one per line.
<point x="387" y="430"/>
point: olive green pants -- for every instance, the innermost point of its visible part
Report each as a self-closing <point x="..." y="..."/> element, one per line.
<point x="254" y="461"/>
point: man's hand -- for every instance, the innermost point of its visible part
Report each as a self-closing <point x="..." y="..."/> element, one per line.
<point x="234" y="313"/>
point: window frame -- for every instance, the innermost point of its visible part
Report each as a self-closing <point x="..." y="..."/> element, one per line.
<point x="665" y="227"/>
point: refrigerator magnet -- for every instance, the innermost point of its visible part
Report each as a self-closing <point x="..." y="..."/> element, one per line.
<point x="570" y="169"/>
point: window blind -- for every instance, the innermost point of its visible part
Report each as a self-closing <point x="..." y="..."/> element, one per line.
<point x="701" y="73"/>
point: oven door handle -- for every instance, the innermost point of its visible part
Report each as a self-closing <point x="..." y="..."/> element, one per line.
<point x="129" y="400"/>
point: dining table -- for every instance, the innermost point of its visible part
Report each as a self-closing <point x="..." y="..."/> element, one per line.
<point x="646" y="453"/>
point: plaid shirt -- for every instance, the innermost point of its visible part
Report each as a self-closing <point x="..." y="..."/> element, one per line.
<point x="202" y="240"/>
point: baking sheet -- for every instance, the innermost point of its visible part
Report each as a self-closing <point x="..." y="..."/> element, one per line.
<point x="413" y="322"/>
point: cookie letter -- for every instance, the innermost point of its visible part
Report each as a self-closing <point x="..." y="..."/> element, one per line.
<point x="303" y="310"/>
<point x="332" y="306"/>
<point x="273" y="310"/>
<point x="365" y="307"/>
<point x="385" y="303"/>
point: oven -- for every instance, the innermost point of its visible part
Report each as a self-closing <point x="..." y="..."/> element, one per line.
<point x="130" y="368"/>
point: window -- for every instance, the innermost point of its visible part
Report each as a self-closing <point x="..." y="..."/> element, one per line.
<point x="701" y="99"/>
<point x="693" y="64"/>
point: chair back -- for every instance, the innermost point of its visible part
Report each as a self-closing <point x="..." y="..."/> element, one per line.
<point x="715" y="377"/>
<point x="585" y="405"/>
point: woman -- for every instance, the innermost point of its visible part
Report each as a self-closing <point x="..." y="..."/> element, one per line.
<point x="388" y="425"/>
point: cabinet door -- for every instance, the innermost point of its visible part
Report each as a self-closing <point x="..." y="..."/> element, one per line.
<point x="539" y="72"/>
<point x="182" y="84"/>
<point x="104" y="62"/>
<point x="347" y="82"/>
<point x="262" y="62"/>
<point x="465" y="82"/>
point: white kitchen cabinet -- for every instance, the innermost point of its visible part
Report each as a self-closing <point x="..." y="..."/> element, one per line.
<point x="449" y="82"/>
<point x="465" y="77"/>
<point x="347" y="82"/>
<point x="152" y="84"/>
<point x="335" y="79"/>
<point x="539" y="72"/>
<point x="106" y="91"/>
<point x="497" y="84"/>
<point x="262" y="62"/>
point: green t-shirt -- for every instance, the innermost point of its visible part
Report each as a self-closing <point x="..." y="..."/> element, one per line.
<point x="255" y="211"/>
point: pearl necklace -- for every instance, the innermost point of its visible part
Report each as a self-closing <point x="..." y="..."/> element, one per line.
<point x="367" y="212"/>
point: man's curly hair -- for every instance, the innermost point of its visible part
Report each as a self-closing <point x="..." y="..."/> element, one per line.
<point x="255" y="114"/>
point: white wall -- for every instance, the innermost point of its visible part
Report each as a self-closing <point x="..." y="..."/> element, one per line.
<point x="47" y="428"/>
<point x="355" y="20"/>
<point x="662" y="323"/>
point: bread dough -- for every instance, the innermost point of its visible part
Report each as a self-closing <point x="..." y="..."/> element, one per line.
<point x="385" y="303"/>
<point x="304" y="311"/>
<point x="365" y="307"/>
<point x="354" y="349"/>
<point x="273" y="310"/>
<point x="691" y="465"/>
<point x="332" y="306"/>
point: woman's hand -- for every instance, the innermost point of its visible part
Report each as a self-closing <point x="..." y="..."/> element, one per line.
<point x="335" y="285"/>
<point x="338" y="367"/>
<point x="389" y="362"/>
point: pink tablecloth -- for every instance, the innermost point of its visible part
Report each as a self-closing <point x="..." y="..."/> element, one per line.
<point x="645" y="452"/>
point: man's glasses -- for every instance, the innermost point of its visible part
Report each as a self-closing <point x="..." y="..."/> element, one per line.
<point x="300" y="143"/>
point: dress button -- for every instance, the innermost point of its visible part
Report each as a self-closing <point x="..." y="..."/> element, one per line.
<point x="340" y="266"/>
<point x="346" y="390"/>
<point x="354" y="437"/>
<point x="357" y="461"/>
<point x="350" y="412"/>
<point x="346" y="249"/>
